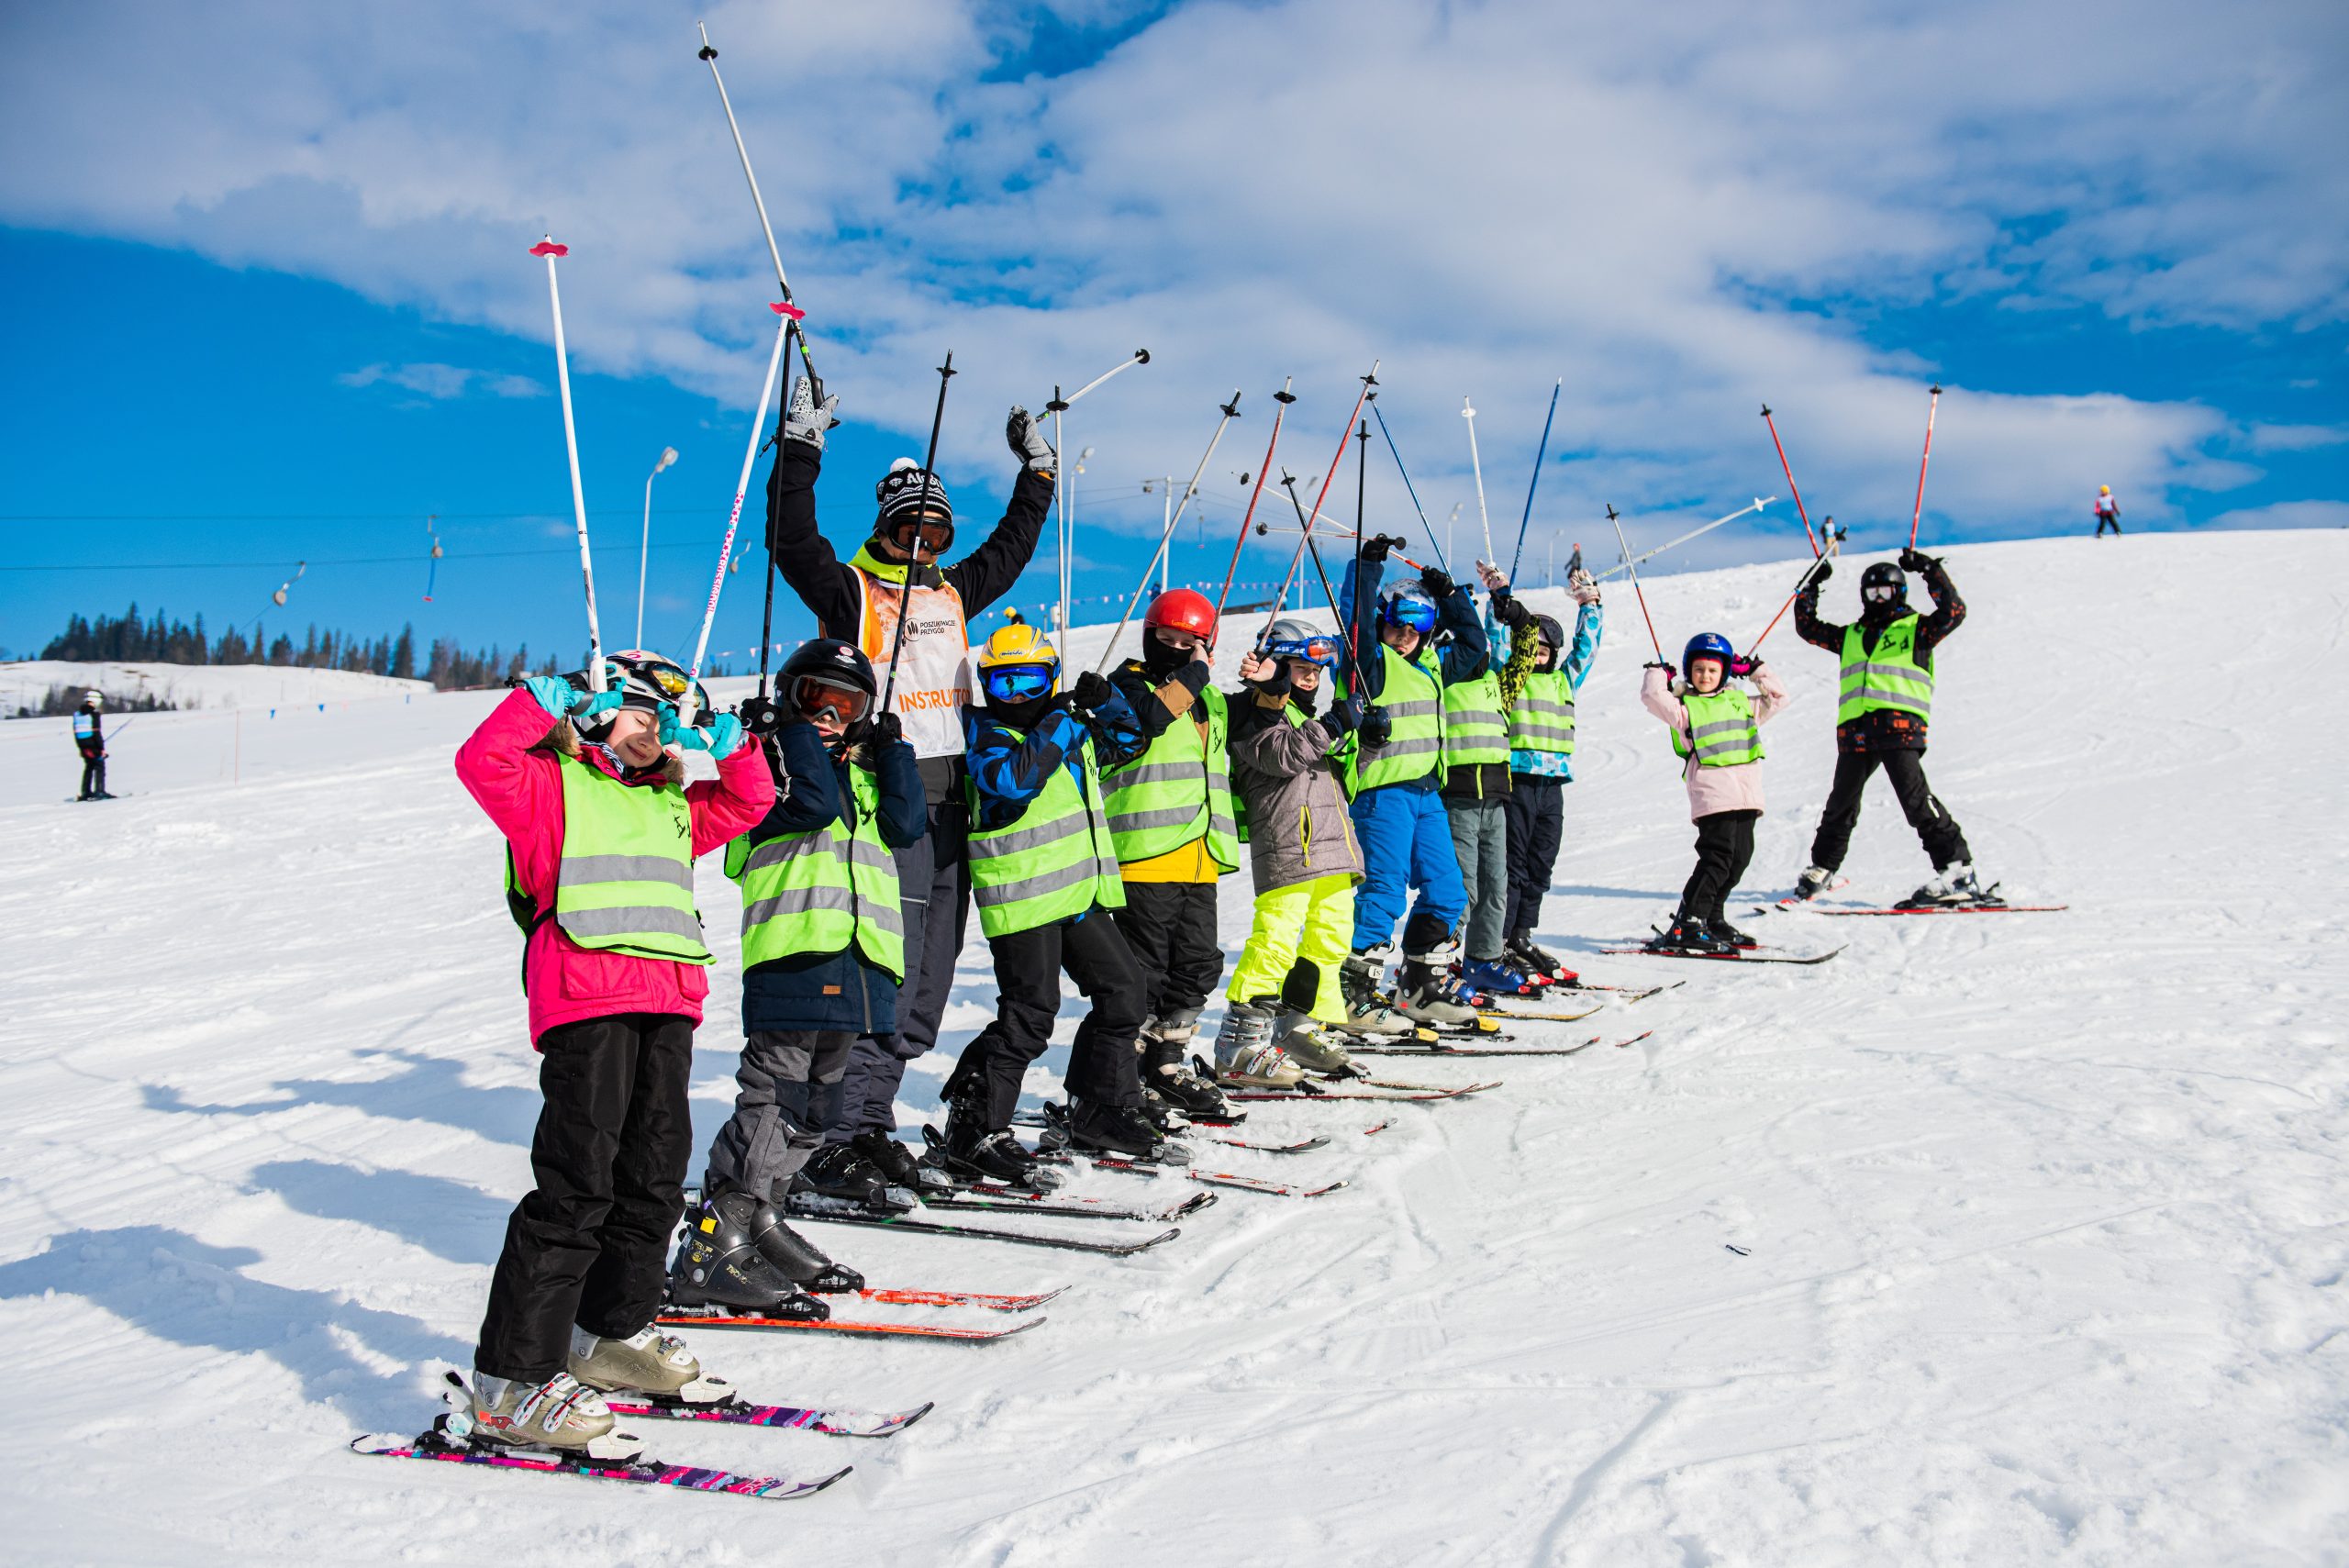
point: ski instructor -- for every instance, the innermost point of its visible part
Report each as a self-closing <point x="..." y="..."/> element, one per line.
<point x="1887" y="697"/>
<point x="858" y="602"/>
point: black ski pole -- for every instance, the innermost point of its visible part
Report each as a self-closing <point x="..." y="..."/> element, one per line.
<point x="913" y="555"/>
<point x="1354" y="659"/>
<point x="1361" y="484"/>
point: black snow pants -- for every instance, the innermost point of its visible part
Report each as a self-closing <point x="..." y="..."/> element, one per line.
<point x="934" y="877"/>
<point x="1169" y="928"/>
<point x="1102" y="1066"/>
<point x="1936" y="828"/>
<point x="1724" y="849"/>
<point x="589" y="1244"/>
<point x="93" y="774"/>
<point x="1537" y="814"/>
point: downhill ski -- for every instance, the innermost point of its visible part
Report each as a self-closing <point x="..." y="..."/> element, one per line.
<point x="981" y="1233"/>
<point x="996" y="1197"/>
<point x="1736" y="955"/>
<point x="1336" y="1096"/>
<point x="734" y="1410"/>
<point x="964" y="1298"/>
<point x="1488" y="1051"/>
<point x="449" y="1441"/>
<point x="1255" y="1185"/>
<point x="1316" y="1141"/>
<point x="671" y="1318"/>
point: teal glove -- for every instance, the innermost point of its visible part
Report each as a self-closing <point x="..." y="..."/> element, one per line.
<point x="564" y="700"/>
<point x="726" y="736"/>
<point x="720" y="740"/>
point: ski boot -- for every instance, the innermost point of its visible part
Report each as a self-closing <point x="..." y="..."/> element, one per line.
<point x="1950" y="886"/>
<point x="1368" y="1013"/>
<point x="1421" y="993"/>
<point x="1314" y="1046"/>
<point x="1245" y="1055"/>
<point x="838" y="1170"/>
<point x="1730" y="933"/>
<point x="647" y="1362"/>
<point x="560" y="1414"/>
<point x="976" y="1152"/>
<point x="1496" y="977"/>
<point x="1688" y="934"/>
<point x="723" y="1262"/>
<point x="1166" y="1076"/>
<point x="899" y="1166"/>
<point x="1539" y="962"/>
<point x="1116" y="1129"/>
<point x="801" y="1260"/>
<point x="1814" y="881"/>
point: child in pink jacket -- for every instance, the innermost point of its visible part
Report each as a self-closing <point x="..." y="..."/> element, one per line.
<point x="1717" y="728"/>
<point x="601" y="831"/>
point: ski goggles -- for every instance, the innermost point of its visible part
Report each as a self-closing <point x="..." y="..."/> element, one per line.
<point x="1881" y="593"/>
<point x="1321" y="650"/>
<point x="815" y="697"/>
<point x="1016" y="683"/>
<point x="936" y="534"/>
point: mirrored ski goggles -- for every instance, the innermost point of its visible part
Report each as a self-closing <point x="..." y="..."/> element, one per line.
<point x="815" y="697"/>
<point x="1322" y="651"/>
<point x="936" y="534"/>
<point x="1016" y="683"/>
<point x="1880" y="594"/>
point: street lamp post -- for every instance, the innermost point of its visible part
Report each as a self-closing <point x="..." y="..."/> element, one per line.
<point x="668" y="456"/>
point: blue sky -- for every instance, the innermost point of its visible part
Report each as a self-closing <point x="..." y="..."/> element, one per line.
<point x="270" y="298"/>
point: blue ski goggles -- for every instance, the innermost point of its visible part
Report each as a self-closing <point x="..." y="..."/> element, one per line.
<point x="1321" y="650"/>
<point x="1016" y="683"/>
<point x="1417" y="614"/>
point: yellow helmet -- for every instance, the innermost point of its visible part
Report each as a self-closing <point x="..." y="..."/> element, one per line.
<point x="1018" y="663"/>
<point x="2104" y="489"/>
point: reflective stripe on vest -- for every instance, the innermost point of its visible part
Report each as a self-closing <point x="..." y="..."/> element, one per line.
<point x="934" y="672"/>
<point x="817" y="892"/>
<point x="1413" y="701"/>
<point x="1722" y="728"/>
<point x="1544" y="721"/>
<point x="626" y="880"/>
<point x="1474" y="729"/>
<point x="1890" y="677"/>
<point x="1056" y="860"/>
<point x="1177" y="792"/>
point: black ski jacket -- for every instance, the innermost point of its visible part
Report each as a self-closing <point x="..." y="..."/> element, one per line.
<point x="1886" y="730"/>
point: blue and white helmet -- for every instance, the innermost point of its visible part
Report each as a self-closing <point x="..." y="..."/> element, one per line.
<point x="1407" y="604"/>
<point x="1707" y="645"/>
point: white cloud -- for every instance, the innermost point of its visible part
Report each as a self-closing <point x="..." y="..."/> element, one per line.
<point x="2295" y="438"/>
<point x="440" y="381"/>
<point x="1487" y="196"/>
<point x="2285" y="515"/>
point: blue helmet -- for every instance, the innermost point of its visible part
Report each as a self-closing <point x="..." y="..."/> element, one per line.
<point x="1409" y="605"/>
<point x="1707" y="645"/>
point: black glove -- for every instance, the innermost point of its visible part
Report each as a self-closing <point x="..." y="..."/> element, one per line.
<point x="1377" y="729"/>
<point x="1656" y="665"/>
<point x="1820" y="570"/>
<point x="1194" y="677"/>
<point x="1508" y="611"/>
<point x="885" y="728"/>
<point x="1377" y="547"/>
<point x="1344" y="716"/>
<point x="1915" y="560"/>
<point x="1277" y="683"/>
<point x="1437" y="582"/>
<point x="760" y="716"/>
<point x="1090" y="692"/>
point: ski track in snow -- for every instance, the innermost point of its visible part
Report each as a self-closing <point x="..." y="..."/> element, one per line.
<point x="2043" y="1214"/>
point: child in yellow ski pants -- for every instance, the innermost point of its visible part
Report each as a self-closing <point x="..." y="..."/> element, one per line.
<point x="1309" y="920"/>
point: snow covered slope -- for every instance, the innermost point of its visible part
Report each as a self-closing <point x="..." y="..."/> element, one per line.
<point x="26" y="681"/>
<point x="1995" y="1241"/>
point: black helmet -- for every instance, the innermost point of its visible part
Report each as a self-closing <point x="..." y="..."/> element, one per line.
<point x="827" y="662"/>
<point x="1883" y="574"/>
<point x="1555" y="636"/>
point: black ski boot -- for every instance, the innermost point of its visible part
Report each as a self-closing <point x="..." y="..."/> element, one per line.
<point x="1730" y="933"/>
<point x="898" y="1164"/>
<point x="1166" y="1076"/>
<point x="837" y="1172"/>
<point x="802" y="1262"/>
<point x="719" y="1264"/>
<point x="1116" y="1129"/>
<point x="977" y="1153"/>
<point x="1688" y="934"/>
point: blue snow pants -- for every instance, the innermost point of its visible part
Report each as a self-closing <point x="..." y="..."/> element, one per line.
<point x="1406" y="836"/>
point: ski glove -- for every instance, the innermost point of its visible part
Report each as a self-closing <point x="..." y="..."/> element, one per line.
<point x="1025" y="438"/>
<point x="1376" y="549"/>
<point x="564" y="700"/>
<point x="1377" y="729"/>
<point x="1821" y="570"/>
<point x="1583" y="586"/>
<point x="1090" y="692"/>
<point x="1344" y="716"/>
<point x="721" y="738"/>
<point x="1744" y="668"/>
<point x="886" y="730"/>
<point x="1508" y="611"/>
<point x="1915" y="560"/>
<point x="1437" y="582"/>
<point x="807" y="420"/>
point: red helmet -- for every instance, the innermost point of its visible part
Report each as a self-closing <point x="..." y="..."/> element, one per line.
<point x="1181" y="609"/>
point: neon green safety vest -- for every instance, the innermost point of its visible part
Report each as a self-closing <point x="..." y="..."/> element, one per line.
<point x="1544" y="721"/>
<point x="1889" y="678"/>
<point x="626" y="880"/>
<point x="1056" y="860"/>
<point x="1474" y="729"/>
<point x="1177" y="792"/>
<point x="1722" y="728"/>
<point x="1413" y="698"/>
<point x="817" y="891"/>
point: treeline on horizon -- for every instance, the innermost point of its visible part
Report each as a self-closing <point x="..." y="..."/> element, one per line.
<point x="127" y="639"/>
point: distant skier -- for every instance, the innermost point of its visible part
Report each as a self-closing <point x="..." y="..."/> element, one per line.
<point x="857" y="602"/>
<point x="601" y="833"/>
<point x="823" y="952"/>
<point x="1887" y="695"/>
<point x="1718" y="729"/>
<point x="2107" y="512"/>
<point x="90" y="740"/>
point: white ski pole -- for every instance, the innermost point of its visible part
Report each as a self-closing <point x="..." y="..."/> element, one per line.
<point x="1166" y="539"/>
<point x="1468" y="412"/>
<point x="1758" y="504"/>
<point x="785" y="316"/>
<point x="1058" y="406"/>
<point x="549" y="250"/>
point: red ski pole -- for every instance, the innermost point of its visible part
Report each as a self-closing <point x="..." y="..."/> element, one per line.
<point x="1625" y="545"/>
<point x="1815" y="551"/>
<point x="1368" y="382"/>
<point x="1283" y="397"/>
<point x="1918" y="516"/>
<point x="1785" y="607"/>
